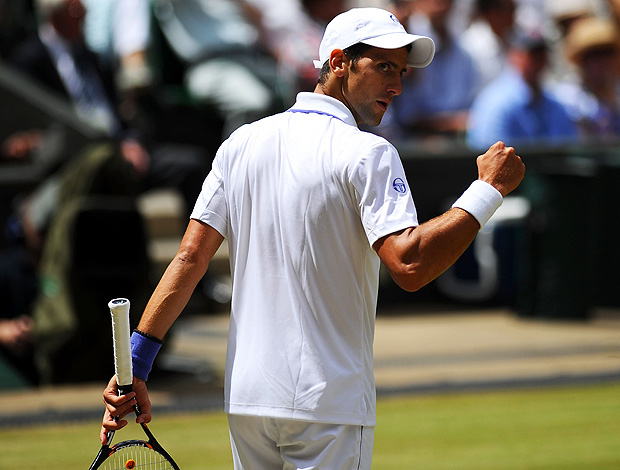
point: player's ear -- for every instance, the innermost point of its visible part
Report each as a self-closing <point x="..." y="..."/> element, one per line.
<point x="338" y="61"/>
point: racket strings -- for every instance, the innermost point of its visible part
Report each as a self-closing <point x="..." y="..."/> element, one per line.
<point x="137" y="457"/>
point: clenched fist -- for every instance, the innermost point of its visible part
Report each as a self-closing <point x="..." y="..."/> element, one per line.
<point x="501" y="167"/>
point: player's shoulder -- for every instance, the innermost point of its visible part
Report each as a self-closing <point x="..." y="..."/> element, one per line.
<point x="364" y="152"/>
<point x="249" y="127"/>
<point x="259" y="127"/>
<point x="368" y="144"/>
<point x="246" y="135"/>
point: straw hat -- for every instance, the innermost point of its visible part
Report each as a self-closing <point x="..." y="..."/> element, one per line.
<point x="561" y="10"/>
<point x="591" y="33"/>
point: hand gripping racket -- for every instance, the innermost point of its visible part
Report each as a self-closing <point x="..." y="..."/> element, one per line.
<point x="136" y="453"/>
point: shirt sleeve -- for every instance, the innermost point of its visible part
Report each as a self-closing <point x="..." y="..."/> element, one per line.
<point x="382" y="191"/>
<point x="211" y="207"/>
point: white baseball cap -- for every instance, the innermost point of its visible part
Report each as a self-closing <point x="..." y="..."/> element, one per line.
<point x="375" y="27"/>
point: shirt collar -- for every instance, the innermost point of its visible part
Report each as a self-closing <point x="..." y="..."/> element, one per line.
<point x="323" y="104"/>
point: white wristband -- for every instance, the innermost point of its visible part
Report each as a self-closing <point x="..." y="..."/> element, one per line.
<point x="481" y="200"/>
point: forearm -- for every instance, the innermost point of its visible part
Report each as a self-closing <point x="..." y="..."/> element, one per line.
<point x="170" y="296"/>
<point x="176" y="286"/>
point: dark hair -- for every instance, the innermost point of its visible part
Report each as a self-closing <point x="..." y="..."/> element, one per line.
<point x="354" y="52"/>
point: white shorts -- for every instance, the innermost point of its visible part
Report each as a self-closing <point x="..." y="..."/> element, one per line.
<point x="268" y="444"/>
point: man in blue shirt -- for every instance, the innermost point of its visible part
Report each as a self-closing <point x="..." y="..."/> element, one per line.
<point x="435" y="100"/>
<point x="516" y="107"/>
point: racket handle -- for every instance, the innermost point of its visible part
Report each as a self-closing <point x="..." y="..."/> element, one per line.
<point x="119" y="311"/>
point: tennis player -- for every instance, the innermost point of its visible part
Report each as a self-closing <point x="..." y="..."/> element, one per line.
<point x="310" y="206"/>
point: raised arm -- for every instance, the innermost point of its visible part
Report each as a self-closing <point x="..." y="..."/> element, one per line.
<point x="416" y="256"/>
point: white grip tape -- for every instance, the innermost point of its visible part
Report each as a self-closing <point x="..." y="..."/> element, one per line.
<point x="119" y="310"/>
<point x="481" y="200"/>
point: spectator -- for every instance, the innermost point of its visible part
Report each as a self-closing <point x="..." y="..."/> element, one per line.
<point x="226" y="64"/>
<point x="275" y="18"/>
<point x="58" y="58"/>
<point x="515" y="106"/>
<point x="487" y="38"/>
<point x="119" y="31"/>
<point x="435" y="100"/>
<point x="46" y="289"/>
<point x="614" y="11"/>
<point x="562" y="15"/>
<point x="18" y="288"/>
<point x="593" y="102"/>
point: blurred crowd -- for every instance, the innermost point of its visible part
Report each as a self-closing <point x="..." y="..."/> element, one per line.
<point x="528" y="72"/>
<point x="163" y="82"/>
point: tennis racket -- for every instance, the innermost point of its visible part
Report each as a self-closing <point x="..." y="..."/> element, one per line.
<point x="135" y="453"/>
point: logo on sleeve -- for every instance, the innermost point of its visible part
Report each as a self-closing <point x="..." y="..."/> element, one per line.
<point x="399" y="186"/>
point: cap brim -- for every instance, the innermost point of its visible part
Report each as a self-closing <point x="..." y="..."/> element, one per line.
<point x="422" y="47"/>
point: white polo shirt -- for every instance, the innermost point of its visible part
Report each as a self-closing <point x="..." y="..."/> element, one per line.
<point x="301" y="197"/>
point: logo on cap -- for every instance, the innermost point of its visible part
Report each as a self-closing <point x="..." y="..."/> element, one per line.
<point x="394" y="19"/>
<point x="399" y="186"/>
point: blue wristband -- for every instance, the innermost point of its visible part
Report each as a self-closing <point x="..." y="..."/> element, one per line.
<point x="144" y="348"/>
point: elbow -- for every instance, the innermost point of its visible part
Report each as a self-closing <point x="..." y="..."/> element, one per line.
<point x="190" y="259"/>
<point x="409" y="279"/>
<point x="411" y="287"/>
<point x="408" y="285"/>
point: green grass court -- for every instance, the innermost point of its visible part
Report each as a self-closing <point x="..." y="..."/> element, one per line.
<point x="541" y="429"/>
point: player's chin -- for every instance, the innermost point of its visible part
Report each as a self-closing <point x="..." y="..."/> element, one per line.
<point x="380" y="112"/>
<point x="374" y="119"/>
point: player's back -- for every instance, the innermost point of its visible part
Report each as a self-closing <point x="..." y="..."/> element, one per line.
<point x="304" y="274"/>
